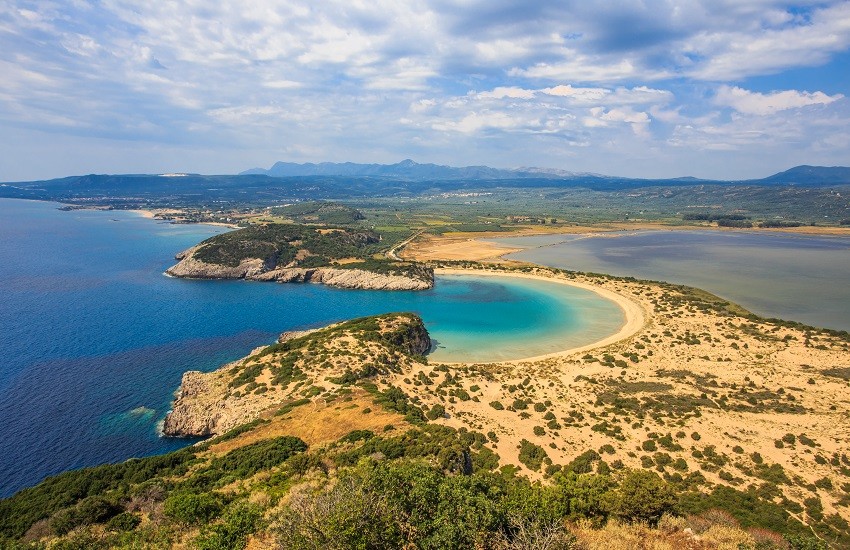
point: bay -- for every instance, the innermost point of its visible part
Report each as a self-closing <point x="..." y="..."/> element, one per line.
<point x="95" y="338"/>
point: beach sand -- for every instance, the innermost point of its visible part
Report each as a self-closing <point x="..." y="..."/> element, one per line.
<point x="725" y="388"/>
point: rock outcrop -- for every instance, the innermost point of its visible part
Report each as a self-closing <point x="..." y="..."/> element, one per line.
<point x="213" y="403"/>
<point x="254" y="269"/>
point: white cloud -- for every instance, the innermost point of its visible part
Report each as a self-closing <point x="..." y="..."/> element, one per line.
<point x="512" y="92"/>
<point x="754" y="103"/>
<point x="282" y="84"/>
<point x="390" y="79"/>
<point x="581" y="94"/>
<point x="474" y="122"/>
<point x="739" y="52"/>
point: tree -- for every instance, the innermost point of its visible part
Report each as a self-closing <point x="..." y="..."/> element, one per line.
<point x="643" y="496"/>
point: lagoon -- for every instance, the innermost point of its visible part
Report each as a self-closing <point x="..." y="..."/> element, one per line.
<point x="95" y="339"/>
<point x="796" y="277"/>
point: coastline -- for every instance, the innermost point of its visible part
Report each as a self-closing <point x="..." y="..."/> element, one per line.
<point x="151" y="215"/>
<point x="636" y="317"/>
<point x="481" y="246"/>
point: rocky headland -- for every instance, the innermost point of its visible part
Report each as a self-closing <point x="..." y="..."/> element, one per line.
<point x="300" y="366"/>
<point x="343" y="258"/>
<point x="255" y="269"/>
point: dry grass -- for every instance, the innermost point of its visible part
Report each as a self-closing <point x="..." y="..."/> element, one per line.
<point x="319" y="423"/>
<point x="621" y="536"/>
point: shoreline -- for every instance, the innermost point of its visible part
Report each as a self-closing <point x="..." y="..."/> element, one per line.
<point x="635" y="316"/>
<point x="151" y="215"/>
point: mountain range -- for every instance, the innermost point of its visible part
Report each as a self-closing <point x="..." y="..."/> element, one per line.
<point x="411" y="170"/>
<point x="294" y="182"/>
<point x="408" y="169"/>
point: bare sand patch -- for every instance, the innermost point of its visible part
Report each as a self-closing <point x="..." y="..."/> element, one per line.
<point x="737" y="400"/>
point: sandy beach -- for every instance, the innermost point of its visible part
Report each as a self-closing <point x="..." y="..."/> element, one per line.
<point x="713" y="382"/>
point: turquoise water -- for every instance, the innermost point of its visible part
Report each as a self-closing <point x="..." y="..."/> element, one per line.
<point x="95" y="339"/>
<point x="802" y="278"/>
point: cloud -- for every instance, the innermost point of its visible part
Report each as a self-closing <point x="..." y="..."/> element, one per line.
<point x="512" y="92"/>
<point x="581" y="94"/>
<point x="754" y="103"/>
<point x="499" y="79"/>
<point x="780" y="41"/>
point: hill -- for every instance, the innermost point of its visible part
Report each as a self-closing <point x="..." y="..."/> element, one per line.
<point x="336" y="256"/>
<point x="810" y="176"/>
<point x="413" y="171"/>
<point x="292" y="183"/>
<point x="406" y="169"/>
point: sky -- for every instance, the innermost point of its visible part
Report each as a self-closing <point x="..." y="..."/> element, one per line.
<point x="726" y="89"/>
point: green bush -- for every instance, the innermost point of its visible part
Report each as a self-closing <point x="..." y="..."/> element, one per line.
<point x="192" y="508"/>
<point x="583" y="463"/>
<point x="643" y="496"/>
<point x="95" y="509"/>
<point x="437" y="411"/>
<point x="531" y="455"/>
<point x="232" y="533"/>
<point x="124" y="521"/>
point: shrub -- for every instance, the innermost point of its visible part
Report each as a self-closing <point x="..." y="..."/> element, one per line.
<point x="531" y="455"/>
<point x="192" y="508"/>
<point x="643" y="496"/>
<point x="583" y="463"/>
<point x="232" y="533"/>
<point x="90" y="510"/>
<point x="437" y="411"/>
<point x="124" y="521"/>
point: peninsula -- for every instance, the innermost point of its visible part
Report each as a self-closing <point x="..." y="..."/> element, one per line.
<point x="335" y="256"/>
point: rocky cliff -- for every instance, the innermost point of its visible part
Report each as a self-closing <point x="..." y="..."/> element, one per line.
<point x="254" y="269"/>
<point x="306" y="364"/>
<point x="340" y="257"/>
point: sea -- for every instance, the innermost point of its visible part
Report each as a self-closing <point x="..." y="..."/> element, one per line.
<point x="94" y="338"/>
<point x="792" y="276"/>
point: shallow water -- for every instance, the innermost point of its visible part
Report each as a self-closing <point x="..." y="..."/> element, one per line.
<point x="802" y="278"/>
<point x="95" y="338"/>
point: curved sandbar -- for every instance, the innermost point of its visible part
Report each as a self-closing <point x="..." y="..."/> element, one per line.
<point x="635" y="317"/>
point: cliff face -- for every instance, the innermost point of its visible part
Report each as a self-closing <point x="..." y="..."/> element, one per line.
<point x="340" y="257"/>
<point x="189" y="267"/>
<point x="303" y="364"/>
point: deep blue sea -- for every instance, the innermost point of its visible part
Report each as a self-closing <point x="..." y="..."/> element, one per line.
<point x="797" y="277"/>
<point x="94" y="338"/>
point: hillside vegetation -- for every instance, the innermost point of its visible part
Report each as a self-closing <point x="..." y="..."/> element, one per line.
<point x="319" y="212"/>
<point x="363" y="444"/>
<point x="265" y="248"/>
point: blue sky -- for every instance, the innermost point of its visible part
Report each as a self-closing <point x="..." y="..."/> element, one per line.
<point x="712" y="88"/>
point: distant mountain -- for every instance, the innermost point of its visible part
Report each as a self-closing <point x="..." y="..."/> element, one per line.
<point x="810" y="176"/>
<point x="405" y="170"/>
<point x="408" y="170"/>
<point x="287" y="182"/>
